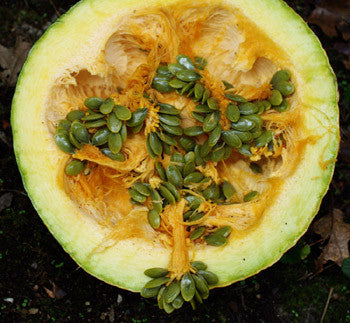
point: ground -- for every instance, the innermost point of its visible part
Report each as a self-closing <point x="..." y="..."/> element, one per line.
<point x="40" y="282"/>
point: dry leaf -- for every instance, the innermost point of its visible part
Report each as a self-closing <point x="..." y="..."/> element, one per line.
<point x="56" y="292"/>
<point x="338" y="232"/>
<point x="5" y="201"/>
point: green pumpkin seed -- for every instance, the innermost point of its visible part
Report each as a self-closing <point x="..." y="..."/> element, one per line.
<point x="250" y="196"/>
<point x="167" y="194"/>
<point x="177" y="84"/>
<point x="228" y="151"/>
<point x="210" y="277"/>
<point x="197" y="233"/>
<point x="149" y="149"/>
<point x="206" y="95"/>
<point x="113" y="123"/>
<point x="155" y="143"/>
<point x="75" y="167"/>
<point x="167" y="149"/>
<point x="172" y="291"/>
<point x="248" y="108"/>
<point x="122" y="112"/>
<point x="161" y="84"/>
<point x="284" y="106"/>
<point x="189" y="157"/>
<point x="170" y="120"/>
<point x="137" y="129"/>
<point x="212" y="192"/>
<point x="155" y="282"/>
<point x="156" y="272"/>
<point x="178" y="302"/>
<point x="193" y="304"/>
<point x="188" y="288"/>
<point x="256" y="134"/>
<point x="198" y="116"/>
<point x="74" y="141"/>
<point x="201" y="108"/>
<point x="175" y="68"/>
<point x="245" y="150"/>
<point x="189" y="168"/>
<point x="231" y="139"/>
<point x="197" y="153"/>
<point x="187" y="215"/>
<point x="185" y="61"/>
<point x="276" y="97"/>
<point x="211" y="121"/>
<point x="153" y="219"/>
<point x="117" y="157"/>
<point x="160" y="170"/>
<point x="141" y="188"/>
<point x="95" y="124"/>
<point x="199" y="265"/>
<point x="187" y="88"/>
<point x="178" y="159"/>
<point x="218" y="154"/>
<point x="228" y="189"/>
<point x="149" y="292"/>
<point x="80" y="132"/>
<point x="64" y="124"/>
<point x="168" y="308"/>
<point x="123" y="132"/>
<point x="194" y="177"/>
<point x="93" y="116"/>
<point x="243" y="124"/>
<point x="174" y="176"/>
<point x="163" y="70"/>
<point x="187" y="143"/>
<point x="227" y="85"/>
<point x="232" y="112"/>
<point x="205" y="149"/>
<point x="200" y="62"/>
<point x="264" y="139"/>
<point x="261" y="107"/>
<point x="198" y="297"/>
<point x="256" y="119"/>
<point x="223" y="231"/>
<point x="160" y="297"/>
<point x="168" y="109"/>
<point x="75" y="115"/>
<point x="93" y="103"/>
<point x="286" y="88"/>
<point x="255" y="168"/>
<point x="115" y="142"/>
<point x="172" y="189"/>
<point x="177" y="130"/>
<point x="193" y="201"/>
<point x="282" y="75"/>
<point x="156" y="201"/>
<point x="244" y="136"/>
<point x="100" y="137"/>
<point x="198" y="91"/>
<point x="214" y="136"/>
<point x="267" y="104"/>
<point x="193" y="131"/>
<point x="201" y="285"/>
<point x="213" y="103"/>
<point x="136" y="196"/>
<point x="138" y="117"/>
<point x="107" y="106"/>
<point x="188" y="76"/>
<point x="235" y="97"/>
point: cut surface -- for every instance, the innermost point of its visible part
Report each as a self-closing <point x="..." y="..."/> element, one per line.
<point x="121" y="47"/>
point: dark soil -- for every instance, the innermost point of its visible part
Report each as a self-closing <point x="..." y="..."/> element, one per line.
<point x="40" y="282"/>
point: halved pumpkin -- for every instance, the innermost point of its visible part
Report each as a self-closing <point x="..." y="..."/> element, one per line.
<point x="100" y="46"/>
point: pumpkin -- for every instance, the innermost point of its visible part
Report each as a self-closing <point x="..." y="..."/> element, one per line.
<point x="113" y="52"/>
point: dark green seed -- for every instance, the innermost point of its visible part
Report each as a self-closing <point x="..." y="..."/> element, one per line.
<point x="198" y="116"/>
<point x="210" y="277"/>
<point x="231" y="139"/>
<point x="284" y="106"/>
<point x="93" y="103"/>
<point x="228" y="189"/>
<point x="276" y="97"/>
<point x="95" y="124"/>
<point x="172" y="189"/>
<point x="75" y="167"/>
<point x="161" y="84"/>
<point x="211" y="121"/>
<point x="228" y="151"/>
<point x="264" y="139"/>
<point x="167" y="194"/>
<point x="93" y="116"/>
<point x="189" y="157"/>
<point x="193" y="131"/>
<point x="227" y="85"/>
<point x="175" y="68"/>
<point x="137" y="118"/>
<point x="201" y="285"/>
<point x="178" y="159"/>
<point x="245" y="136"/>
<point x="160" y="297"/>
<point x="188" y="76"/>
<point x="198" y="91"/>
<point x="136" y="196"/>
<point x="137" y="129"/>
<point x="206" y="95"/>
<point x="115" y="142"/>
<point x="123" y="132"/>
<point x="235" y="97"/>
<point x="100" y="137"/>
<point x="155" y="282"/>
<point x="255" y="168"/>
<point x="224" y="231"/>
<point x="250" y="196"/>
<point x="248" y="108"/>
<point x="256" y="134"/>
<point x="155" y="143"/>
<point x="188" y="288"/>
<point x="185" y="61"/>
<point x="113" y="123"/>
<point x="194" y="177"/>
<point x="178" y="302"/>
<point x="177" y="131"/>
<point x="172" y="291"/>
<point x="167" y="149"/>
<point x="261" y="107"/>
<point x="149" y="292"/>
<point x="200" y="62"/>
<point x="197" y="233"/>
<point x="245" y="150"/>
<point x="188" y="87"/>
<point x="197" y="152"/>
<point x="75" y="115"/>
<point x="163" y="70"/>
<point x="170" y="120"/>
<point x="232" y="112"/>
<point x="267" y="104"/>
<point x="64" y="124"/>
<point x="153" y="219"/>
<point x="198" y="297"/>
<point x="156" y="201"/>
<point x="257" y="121"/>
<point x="194" y="201"/>
<point x="156" y="272"/>
<point x="149" y="149"/>
<point x="168" y="109"/>
<point x="205" y="149"/>
<point x="201" y="108"/>
<point x="281" y="75"/>
<point x="212" y="192"/>
<point x="214" y="136"/>
<point x="187" y="143"/>
<point x="286" y="88"/>
<point x="174" y="176"/>
<point x="187" y="215"/>
<point x="189" y="168"/>
<point x="168" y="308"/>
<point x="190" y="93"/>
<point x="218" y="154"/>
<point x="142" y="188"/>
<point x="243" y="124"/>
<point x="74" y="141"/>
<point x="177" y="84"/>
<point x="161" y="171"/>
<point x="122" y="113"/>
<point x="193" y="304"/>
<point x="213" y="103"/>
<point x="107" y="106"/>
<point x="80" y="132"/>
<point x="117" y="157"/>
<point x="199" y="265"/>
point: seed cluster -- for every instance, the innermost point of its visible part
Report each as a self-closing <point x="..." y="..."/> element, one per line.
<point x="171" y="294"/>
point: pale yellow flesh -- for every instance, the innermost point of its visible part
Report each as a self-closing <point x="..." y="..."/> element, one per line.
<point x="89" y="27"/>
